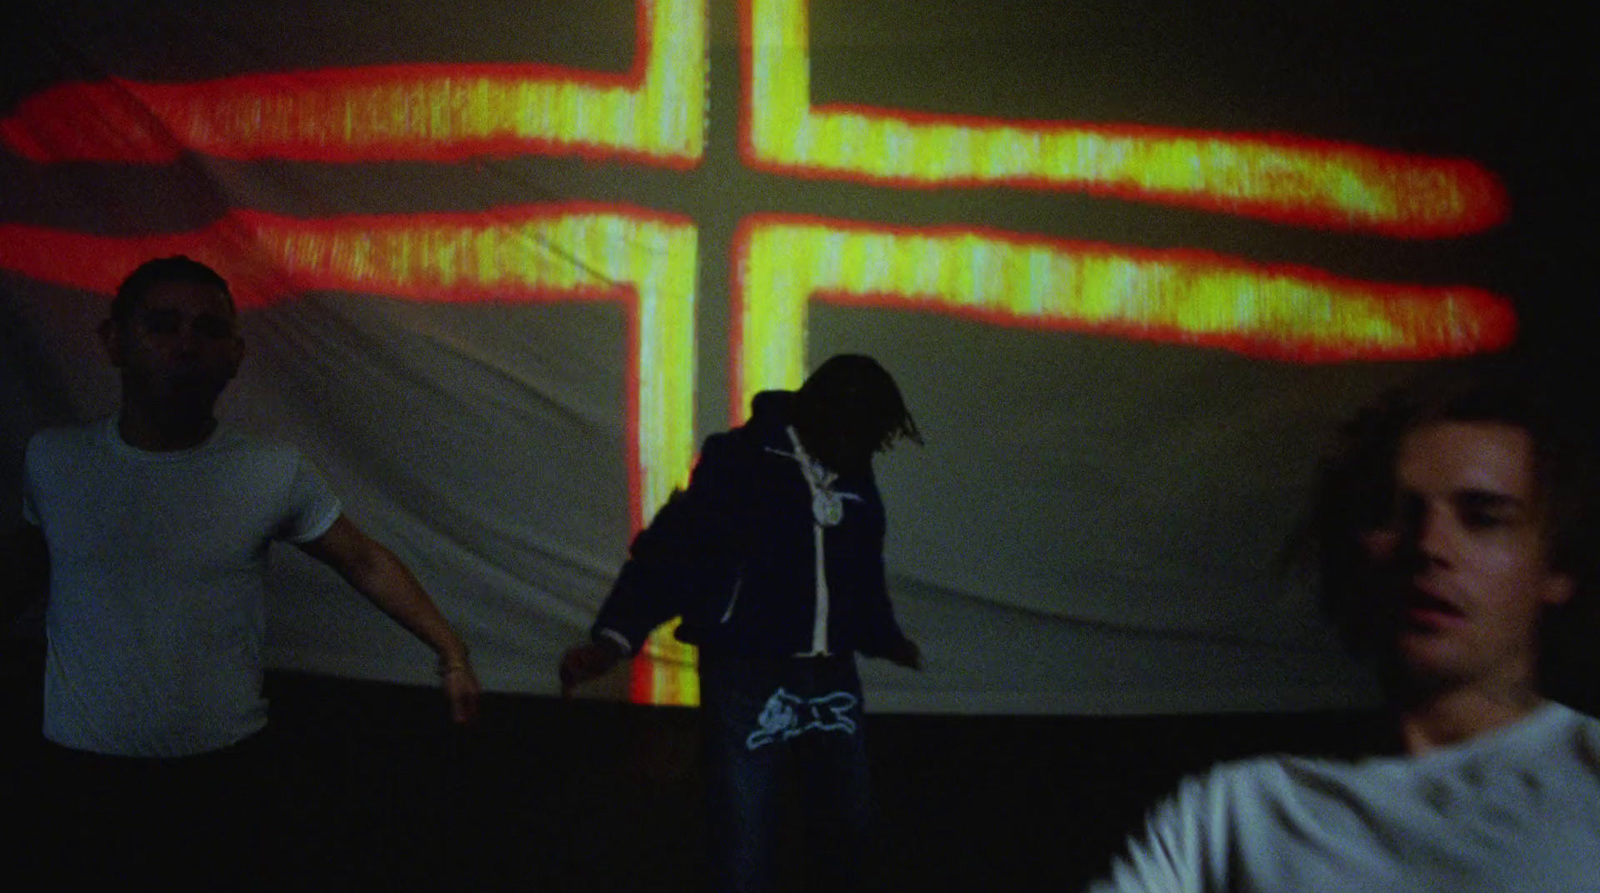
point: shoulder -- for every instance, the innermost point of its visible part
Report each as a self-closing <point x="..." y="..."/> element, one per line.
<point x="287" y="481"/>
<point x="1587" y="726"/>
<point x="771" y="414"/>
<point x="242" y="445"/>
<point x="1236" y="790"/>
<point x="1561" y="729"/>
<point x="753" y="441"/>
<point x="1555" y="715"/>
<point x="67" y="435"/>
<point x="269" y="465"/>
<point x="67" y="440"/>
<point x="729" y="466"/>
<point x="1236" y="777"/>
<point x="720" y="451"/>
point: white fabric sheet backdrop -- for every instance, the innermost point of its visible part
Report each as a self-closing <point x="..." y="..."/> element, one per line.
<point x="1094" y="522"/>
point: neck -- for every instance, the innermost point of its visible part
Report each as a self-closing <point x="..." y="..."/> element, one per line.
<point x="158" y="431"/>
<point x="1446" y="716"/>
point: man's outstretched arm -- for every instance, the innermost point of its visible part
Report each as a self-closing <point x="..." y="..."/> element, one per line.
<point x="384" y="580"/>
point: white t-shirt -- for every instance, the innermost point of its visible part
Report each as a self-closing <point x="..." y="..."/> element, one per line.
<point x="1516" y="809"/>
<point x="157" y="579"/>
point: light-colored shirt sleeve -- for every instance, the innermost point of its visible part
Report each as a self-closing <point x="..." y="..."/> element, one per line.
<point x="311" y="506"/>
<point x="1168" y="856"/>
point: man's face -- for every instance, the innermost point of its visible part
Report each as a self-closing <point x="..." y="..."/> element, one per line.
<point x="1461" y="566"/>
<point x="180" y="348"/>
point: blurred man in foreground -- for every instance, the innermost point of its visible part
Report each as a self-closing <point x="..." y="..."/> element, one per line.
<point x="1456" y="552"/>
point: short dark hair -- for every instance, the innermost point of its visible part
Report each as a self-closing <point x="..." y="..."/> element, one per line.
<point x="859" y="395"/>
<point x="177" y="268"/>
<point x="1354" y="491"/>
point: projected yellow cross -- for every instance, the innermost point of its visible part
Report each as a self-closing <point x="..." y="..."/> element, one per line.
<point x="655" y="114"/>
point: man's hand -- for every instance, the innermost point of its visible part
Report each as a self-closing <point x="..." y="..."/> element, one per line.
<point x="379" y="575"/>
<point x="587" y="661"/>
<point x="461" y="686"/>
<point x="906" y="654"/>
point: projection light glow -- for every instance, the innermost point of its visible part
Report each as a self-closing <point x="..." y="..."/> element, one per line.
<point x="1282" y="179"/>
<point x="1183" y="297"/>
<point x="653" y="114"/>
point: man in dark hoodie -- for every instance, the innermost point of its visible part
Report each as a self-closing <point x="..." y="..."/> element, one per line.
<point x="773" y="558"/>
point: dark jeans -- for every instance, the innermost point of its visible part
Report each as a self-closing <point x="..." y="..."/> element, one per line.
<point x="767" y="717"/>
<point x="204" y="822"/>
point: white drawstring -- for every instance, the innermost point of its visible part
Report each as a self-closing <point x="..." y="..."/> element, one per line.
<point x="827" y="510"/>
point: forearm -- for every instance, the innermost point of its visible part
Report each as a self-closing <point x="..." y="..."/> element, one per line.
<point x="639" y="602"/>
<point x="386" y="582"/>
<point x="378" y="575"/>
<point x="881" y="633"/>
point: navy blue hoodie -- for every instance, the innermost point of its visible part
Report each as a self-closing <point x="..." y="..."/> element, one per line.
<point x="734" y="555"/>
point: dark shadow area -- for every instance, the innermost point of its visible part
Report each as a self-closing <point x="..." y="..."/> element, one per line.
<point x="544" y="794"/>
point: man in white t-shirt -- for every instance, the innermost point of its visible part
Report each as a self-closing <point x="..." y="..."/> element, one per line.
<point x="153" y="528"/>
<point x="1455" y="554"/>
